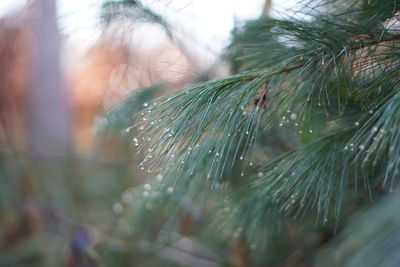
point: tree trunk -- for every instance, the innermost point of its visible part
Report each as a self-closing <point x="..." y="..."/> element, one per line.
<point x="50" y="117"/>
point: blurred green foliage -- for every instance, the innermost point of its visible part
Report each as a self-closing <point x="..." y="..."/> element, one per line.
<point x="291" y="161"/>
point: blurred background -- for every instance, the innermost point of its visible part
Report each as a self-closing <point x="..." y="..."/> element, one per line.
<point x="72" y="76"/>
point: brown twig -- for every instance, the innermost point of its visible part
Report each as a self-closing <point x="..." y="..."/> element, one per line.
<point x="262" y="96"/>
<point x="361" y="44"/>
<point x="292" y="68"/>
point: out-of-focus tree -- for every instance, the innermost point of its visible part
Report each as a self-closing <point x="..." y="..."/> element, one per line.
<point x="50" y="113"/>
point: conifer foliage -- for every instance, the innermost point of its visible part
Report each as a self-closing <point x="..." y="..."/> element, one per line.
<point x="303" y="135"/>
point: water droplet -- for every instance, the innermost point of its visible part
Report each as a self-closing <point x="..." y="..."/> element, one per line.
<point x="253" y="246"/>
<point x="242" y="174"/>
<point x="251" y="164"/>
<point x="357" y="123"/>
<point x="145" y="104"/>
<point x="260" y="174"/>
<point x="375" y="129"/>
<point x="118" y="208"/>
<point x="146" y="194"/>
<point x="362" y="147"/>
<point x="159" y="177"/>
<point x="293" y="116"/>
<point x="127" y="197"/>
<point x="170" y="190"/>
<point x="241" y="157"/>
<point x="147" y="187"/>
<point x="310" y="131"/>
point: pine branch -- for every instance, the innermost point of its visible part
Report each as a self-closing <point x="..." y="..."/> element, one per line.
<point x="371" y="238"/>
<point x="119" y="117"/>
<point x="340" y="66"/>
<point x="202" y="121"/>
